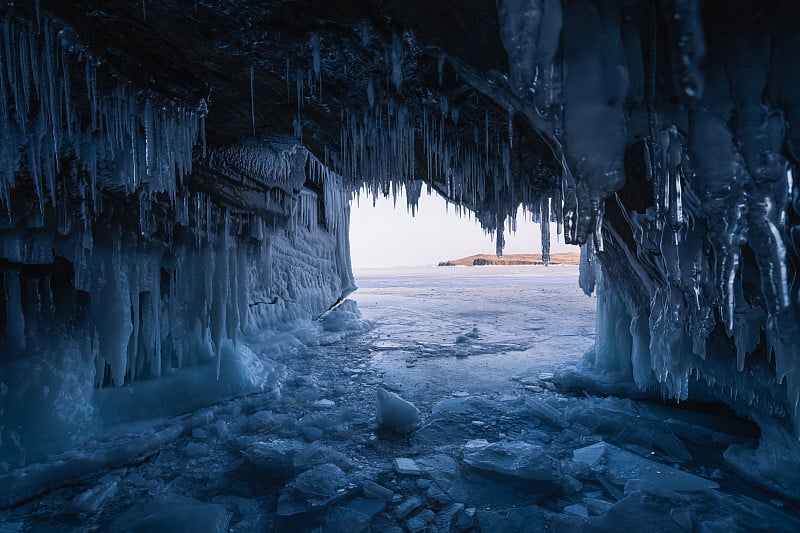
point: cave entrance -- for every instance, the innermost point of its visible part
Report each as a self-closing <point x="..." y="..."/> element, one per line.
<point x="443" y="330"/>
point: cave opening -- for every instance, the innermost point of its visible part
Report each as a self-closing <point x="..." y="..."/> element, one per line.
<point x="182" y="340"/>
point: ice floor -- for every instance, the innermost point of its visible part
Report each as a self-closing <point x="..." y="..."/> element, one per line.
<point x="500" y="447"/>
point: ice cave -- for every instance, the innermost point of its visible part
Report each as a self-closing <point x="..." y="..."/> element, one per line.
<point x="184" y="345"/>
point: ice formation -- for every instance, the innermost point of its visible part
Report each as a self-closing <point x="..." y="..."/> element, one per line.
<point x="154" y="218"/>
<point x="117" y="265"/>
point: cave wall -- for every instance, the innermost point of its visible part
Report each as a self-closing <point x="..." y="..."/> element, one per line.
<point x="130" y="249"/>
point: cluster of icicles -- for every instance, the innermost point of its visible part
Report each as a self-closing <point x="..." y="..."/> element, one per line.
<point x="584" y="76"/>
<point x="151" y="308"/>
<point x="716" y="166"/>
<point x="149" y="141"/>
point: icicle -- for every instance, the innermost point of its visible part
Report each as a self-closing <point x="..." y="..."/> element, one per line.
<point x="500" y="241"/>
<point x="315" y="50"/>
<point x="510" y="127"/>
<point x="202" y="112"/>
<point x="15" y="318"/>
<point x="253" y="97"/>
<point x="397" y="62"/>
<point x="134" y="349"/>
<point x="544" y="221"/>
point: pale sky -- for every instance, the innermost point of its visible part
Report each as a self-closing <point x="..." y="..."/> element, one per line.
<point x="385" y="236"/>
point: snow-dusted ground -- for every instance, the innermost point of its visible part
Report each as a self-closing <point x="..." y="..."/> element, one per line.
<point x="499" y="447"/>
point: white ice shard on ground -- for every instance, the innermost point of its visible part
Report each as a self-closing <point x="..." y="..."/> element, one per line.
<point x="394" y="412"/>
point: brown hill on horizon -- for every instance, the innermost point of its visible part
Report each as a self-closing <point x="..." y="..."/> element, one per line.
<point x="513" y="259"/>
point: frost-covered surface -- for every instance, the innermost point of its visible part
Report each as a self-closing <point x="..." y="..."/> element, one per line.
<point x="491" y="454"/>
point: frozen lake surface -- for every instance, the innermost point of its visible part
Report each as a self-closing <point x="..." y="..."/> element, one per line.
<point x="445" y="329"/>
<point x="499" y="445"/>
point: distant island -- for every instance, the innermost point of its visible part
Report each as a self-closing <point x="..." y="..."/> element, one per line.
<point x="513" y="259"/>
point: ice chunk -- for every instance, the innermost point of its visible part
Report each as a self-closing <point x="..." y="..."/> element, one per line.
<point x="90" y="500"/>
<point x="418" y="523"/>
<point x="394" y="412"/>
<point x="324" y="404"/>
<point x="276" y="457"/>
<point x="195" y="449"/>
<point x="622" y="466"/>
<point x="517" y="461"/>
<point x="173" y="514"/>
<point x="379" y="492"/>
<point x="590" y="455"/>
<point x="408" y="506"/>
<point x="313" y="490"/>
<point x="446" y="517"/>
<point x="404" y="465"/>
<point x="355" y="515"/>
<point x="577" y="509"/>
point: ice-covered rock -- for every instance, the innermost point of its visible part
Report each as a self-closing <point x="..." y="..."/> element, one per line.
<point x="393" y="412"/>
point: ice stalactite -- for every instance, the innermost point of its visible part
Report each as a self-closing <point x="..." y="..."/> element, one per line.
<point x="150" y="142"/>
<point x="595" y="88"/>
<point x="709" y="243"/>
<point x="253" y="97"/>
<point x="149" y="251"/>
<point x="147" y="310"/>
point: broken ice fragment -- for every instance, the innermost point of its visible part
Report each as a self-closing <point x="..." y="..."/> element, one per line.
<point x="407" y="507"/>
<point x="404" y="465"/>
<point x="312" y="490"/>
<point x="394" y="412"/>
<point x="379" y="492"/>
<point x="577" y="510"/>
<point x="418" y="523"/>
<point x="90" y="501"/>
<point x="515" y="460"/>
<point x="324" y="404"/>
<point x="623" y="466"/>
<point x="275" y="458"/>
<point x="171" y="513"/>
<point x="195" y="449"/>
<point x="446" y="517"/>
<point x="590" y="455"/>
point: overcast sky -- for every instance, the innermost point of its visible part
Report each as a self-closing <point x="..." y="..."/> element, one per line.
<point x="385" y="236"/>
